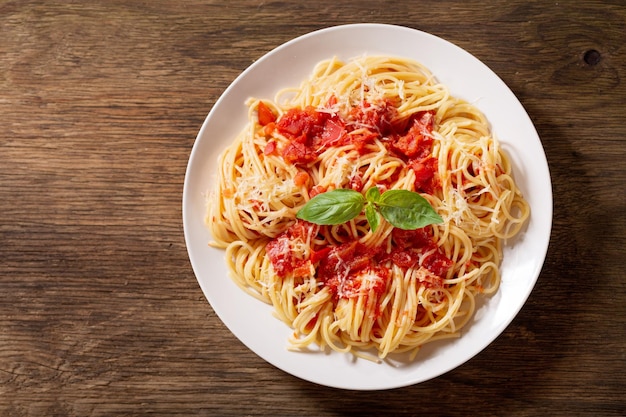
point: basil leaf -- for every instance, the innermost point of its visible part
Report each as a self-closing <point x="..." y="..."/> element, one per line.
<point x="372" y="216"/>
<point x="373" y="194"/>
<point x="407" y="210"/>
<point x="332" y="207"/>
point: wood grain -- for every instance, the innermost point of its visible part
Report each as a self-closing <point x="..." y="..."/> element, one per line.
<point x="100" y="313"/>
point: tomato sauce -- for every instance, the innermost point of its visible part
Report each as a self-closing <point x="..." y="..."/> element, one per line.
<point x="347" y="267"/>
<point x="382" y="117"/>
<point x="425" y="169"/>
<point x="310" y="132"/>
<point x="285" y="259"/>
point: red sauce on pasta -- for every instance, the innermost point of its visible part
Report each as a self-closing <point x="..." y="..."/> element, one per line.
<point x="348" y="268"/>
<point x="310" y="132"/>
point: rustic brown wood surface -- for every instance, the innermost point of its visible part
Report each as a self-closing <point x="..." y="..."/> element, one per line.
<point x="100" y="313"/>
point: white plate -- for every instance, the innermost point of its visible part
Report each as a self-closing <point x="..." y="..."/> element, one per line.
<point x="286" y="66"/>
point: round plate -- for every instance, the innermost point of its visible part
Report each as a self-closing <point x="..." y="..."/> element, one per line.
<point x="286" y="66"/>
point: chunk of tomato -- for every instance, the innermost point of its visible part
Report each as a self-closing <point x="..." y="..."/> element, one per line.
<point x="437" y="263"/>
<point x="418" y="141"/>
<point x="265" y="114"/>
<point x="425" y="170"/>
<point x="333" y="132"/>
<point x="298" y="153"/>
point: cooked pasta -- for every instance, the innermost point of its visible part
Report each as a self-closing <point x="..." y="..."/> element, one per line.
<point x="374" y="121"/>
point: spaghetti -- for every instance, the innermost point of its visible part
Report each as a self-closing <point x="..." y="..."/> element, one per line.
<point x="380" y="122"/>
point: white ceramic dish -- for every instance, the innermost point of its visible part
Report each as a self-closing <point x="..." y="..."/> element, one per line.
<point x="251" y="321"/>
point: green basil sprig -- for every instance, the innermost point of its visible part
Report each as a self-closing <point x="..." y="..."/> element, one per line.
<point x="402" y="208"/>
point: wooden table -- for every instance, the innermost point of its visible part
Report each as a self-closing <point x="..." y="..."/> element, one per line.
<point x="100" y="312"/>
